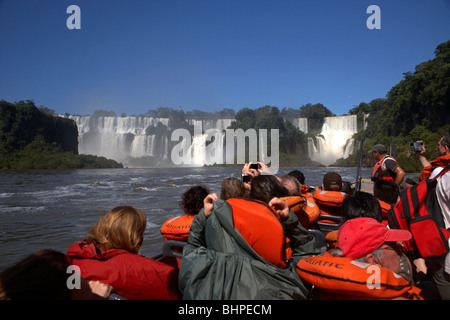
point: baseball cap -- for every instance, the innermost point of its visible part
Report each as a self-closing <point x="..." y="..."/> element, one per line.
<point x="378" y="148"/>
<point x="332" y="181"/>
<point x="360" y="236"/>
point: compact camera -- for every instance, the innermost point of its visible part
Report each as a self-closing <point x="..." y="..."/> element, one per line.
<point x="255" y="166"/>
<point x="416" y="145"/>
<point x="246" y="177"/>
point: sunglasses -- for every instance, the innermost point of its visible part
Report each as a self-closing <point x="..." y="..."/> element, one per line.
<point x="396" y="246"/>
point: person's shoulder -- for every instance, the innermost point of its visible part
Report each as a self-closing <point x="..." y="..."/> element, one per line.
<point x="436" y="171"/>
<point x="390" y="162"/>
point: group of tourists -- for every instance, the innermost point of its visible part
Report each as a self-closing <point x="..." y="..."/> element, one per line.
<point x="265" y="237"/>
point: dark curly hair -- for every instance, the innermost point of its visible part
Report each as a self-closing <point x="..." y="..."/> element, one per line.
<point x="192" y="201"/>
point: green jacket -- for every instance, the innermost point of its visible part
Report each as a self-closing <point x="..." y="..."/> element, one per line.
<point x="218" y="263"/>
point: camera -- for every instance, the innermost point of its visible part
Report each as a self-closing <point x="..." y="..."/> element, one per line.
<point x="255" y="166"/>
<point x="246" y="178"/>
<point x="416" y="145"/>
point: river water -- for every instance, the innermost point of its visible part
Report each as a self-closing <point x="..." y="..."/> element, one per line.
<point x="54" y="209"/>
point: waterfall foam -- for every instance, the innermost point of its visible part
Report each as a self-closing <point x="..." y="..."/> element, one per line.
<point x="335" y="140"/>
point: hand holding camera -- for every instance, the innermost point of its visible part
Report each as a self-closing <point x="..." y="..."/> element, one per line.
<point x="418" y="146"/>
<point x="250" y="169"/>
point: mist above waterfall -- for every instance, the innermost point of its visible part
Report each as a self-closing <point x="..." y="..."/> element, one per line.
<point x="334" y="141"/>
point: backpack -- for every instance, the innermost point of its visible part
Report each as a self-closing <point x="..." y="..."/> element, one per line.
<point x="418" y="211"/>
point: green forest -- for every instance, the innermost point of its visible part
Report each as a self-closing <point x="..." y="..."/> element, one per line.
<point x="417" y="108"/>
<point x="34" y="138"/>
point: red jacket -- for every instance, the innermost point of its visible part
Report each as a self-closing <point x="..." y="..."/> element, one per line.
<point x="132" y="276"/>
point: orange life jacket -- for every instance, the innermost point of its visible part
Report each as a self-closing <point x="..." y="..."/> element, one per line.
<point x="260" y="227"/>
<point x="384" y="211"/>
<point x="331" y="239"/>
<point x="441" y="161"/>
<point x="177" y="228"/>
<point x="330" y="202"/>
<point x="378" y="173"/>
<point x="349" y="277"/>
<point x="304" y="208"/>
<point x="304" y="189"/>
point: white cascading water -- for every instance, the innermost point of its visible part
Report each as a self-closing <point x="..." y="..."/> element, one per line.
<point x="122" y="138"/>
<point x="208" y="142"/>
<point x="119" y="138"/>
<point x="335" y="141"/>
<point x="300" y="123"/>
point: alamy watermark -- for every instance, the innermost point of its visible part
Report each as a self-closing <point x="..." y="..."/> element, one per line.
<point x="74" y="280"/>
<point x="374" y="21"/>
<point x="374" y="280"/>
<point x="74" y="20"/>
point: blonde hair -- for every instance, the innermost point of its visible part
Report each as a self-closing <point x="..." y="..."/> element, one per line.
<point x="121" y="228"/>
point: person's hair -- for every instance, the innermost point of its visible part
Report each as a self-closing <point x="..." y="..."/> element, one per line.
<point x="121" y="228"/>
<point x="298" y="175"/>
<point x="347" y="187"/>
<point x="361" y="205"/>
<point x="39" y="276"/>
<point x="386" y="191"/>
<point x="192" y="200"/>
<point x="232" y="188"/>
<point x="378" y="254"/>
<point x="445" y="142"/>
<point x="266" y="187"/>
<point x="332" y="181"/>
<point x="291" y="184"/>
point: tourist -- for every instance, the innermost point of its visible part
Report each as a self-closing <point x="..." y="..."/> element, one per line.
<point x="368" y="263"/>
<point x="266" y="187"/>
<point x="291" y="184"/>
<point x="386" y="167"/>
<point x="239" y="237"/>
<point x="177" y="228"/>
<point x="305" y="190"/>
<point x="111" y="254"/>
<point x="330" y="198"/>
<point x="387" y="193"/>
<point x="431" y="169"/>
<point x="251" y="170"/>
<point x="298" y="175"/>
<point x="359" y="205"/>
<point x="440" y="270"/>
<point x="44" y="275"/>
<point x="231" y="188"/>
<point x="441" y="276"/>
<point x="307" y="212"/>
<point x="368" y="240"/>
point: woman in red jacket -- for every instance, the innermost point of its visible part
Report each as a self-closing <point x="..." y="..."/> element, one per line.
<point x="110" y="254"/>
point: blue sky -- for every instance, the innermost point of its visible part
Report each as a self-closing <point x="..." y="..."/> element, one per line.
<point x="132" y="56"/>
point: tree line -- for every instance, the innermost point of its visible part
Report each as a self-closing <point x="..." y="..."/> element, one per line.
<point x="33" y="138"/>
<point x="416" y="108"/>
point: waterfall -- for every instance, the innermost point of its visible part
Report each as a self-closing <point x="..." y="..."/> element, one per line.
<point x="208" y="143"/>
<point x="300" y="123"/>
<point x="335" y="140"/>
<point x="126" y="139"/>
<point x="146" y="141"/>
